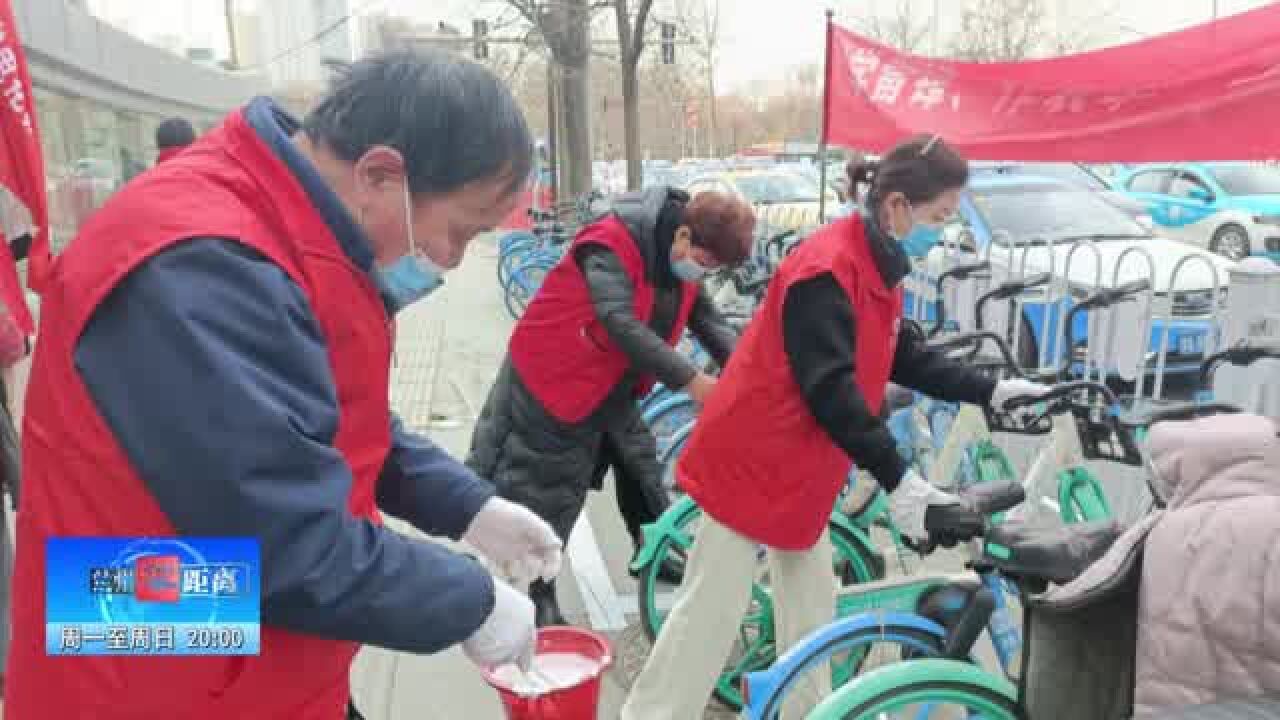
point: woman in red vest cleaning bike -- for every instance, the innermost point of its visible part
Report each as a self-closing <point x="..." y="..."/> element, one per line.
<point x="797" y="406"/>
<point x="599" y="332"/>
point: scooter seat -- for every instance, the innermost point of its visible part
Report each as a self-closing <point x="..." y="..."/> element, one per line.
<point x="1037" y="554"/>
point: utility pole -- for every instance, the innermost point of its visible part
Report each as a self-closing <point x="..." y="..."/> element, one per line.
<point x="936" y="13"/>
<point x="1215" y="9"/>
<point x="232" y="51"/>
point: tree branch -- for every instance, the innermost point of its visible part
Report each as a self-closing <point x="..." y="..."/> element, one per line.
<point x="637" y="31"/>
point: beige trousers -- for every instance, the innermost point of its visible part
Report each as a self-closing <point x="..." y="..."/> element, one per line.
<point x="698" y="635"/>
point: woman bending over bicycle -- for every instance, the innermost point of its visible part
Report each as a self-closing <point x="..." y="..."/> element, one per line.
<point x="600" y="331"/>
<point x="796" y="407"/>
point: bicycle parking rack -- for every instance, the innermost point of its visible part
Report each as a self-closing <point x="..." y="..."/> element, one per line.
<point x="1047" y="296"/>
<point x="1109" y="359"/>
<point x="1059" y="335"/>
<point x="1213" y="334"/>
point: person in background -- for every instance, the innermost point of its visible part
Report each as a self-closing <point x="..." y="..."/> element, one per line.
<point x="215" y="359"/>
<point x="563" y="409"/>
<point x="172" y="137"/>
<point x="797" y="406"/>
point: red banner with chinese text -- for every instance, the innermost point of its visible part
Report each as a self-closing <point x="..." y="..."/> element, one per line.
<point x="21" y="166"/>
<point x="1205" y="93"/>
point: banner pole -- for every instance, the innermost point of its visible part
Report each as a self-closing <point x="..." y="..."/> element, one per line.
<point x="826" y="114"/>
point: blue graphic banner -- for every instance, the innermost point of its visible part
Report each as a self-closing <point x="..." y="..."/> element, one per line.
<point x="152" y="596"/>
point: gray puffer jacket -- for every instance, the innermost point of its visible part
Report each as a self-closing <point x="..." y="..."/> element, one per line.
<point x="1209" y="614"/>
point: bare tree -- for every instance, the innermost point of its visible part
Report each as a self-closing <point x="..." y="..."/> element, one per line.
<point x="631" y="46"/>
<point x="1001" y="30"/>
<point x="902" y="28"/>
<point x="565" y="28"/>
<point x="700" y="21"/>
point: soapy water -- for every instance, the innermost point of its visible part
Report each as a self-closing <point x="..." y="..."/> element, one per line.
<point x="550" y="672"/>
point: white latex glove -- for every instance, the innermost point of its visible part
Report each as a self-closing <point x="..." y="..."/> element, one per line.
<point x="508" y="635"/>
<point x="909" y="501"/>
<point x="520" y="544"/>
<point x="1007" y="390"/>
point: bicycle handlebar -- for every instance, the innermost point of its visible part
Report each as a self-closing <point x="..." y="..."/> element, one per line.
<point x="960" y="272"/>
<point x="1007" y="290"/>
<point x="1102" y="434"/>
<point x="1097" y="300"/>
<point x="1240" y="355"/>
<point x="1062" y="391"/>
<point x="1107" y="297"/>
<point x="949" y="524"/>
<point x="975" y="339"/>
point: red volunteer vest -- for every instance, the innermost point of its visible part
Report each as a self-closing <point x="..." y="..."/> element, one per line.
<point x="757" y="461"/>
<point x="559" y="348"/>
<point x="77" y="481"/>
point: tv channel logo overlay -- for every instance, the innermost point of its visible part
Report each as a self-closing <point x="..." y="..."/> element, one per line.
<point x="152" y="596"/>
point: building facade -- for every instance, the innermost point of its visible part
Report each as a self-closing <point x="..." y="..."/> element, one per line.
<point x="299" y="39"/>
<point x="99" y="95"/>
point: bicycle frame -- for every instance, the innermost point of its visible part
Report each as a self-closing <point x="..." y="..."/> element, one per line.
<point x="1079" y="496"/>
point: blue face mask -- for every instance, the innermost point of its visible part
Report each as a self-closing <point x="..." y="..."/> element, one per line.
<point x="688" y="270"/>
<point x="414" y="276"/>
<point x="920" y="240"/>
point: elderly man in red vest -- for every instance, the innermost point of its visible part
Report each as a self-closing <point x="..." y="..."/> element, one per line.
<point x="214" y="360"/>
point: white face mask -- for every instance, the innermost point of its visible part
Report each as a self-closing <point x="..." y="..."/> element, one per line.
<point x="413" y="276"/>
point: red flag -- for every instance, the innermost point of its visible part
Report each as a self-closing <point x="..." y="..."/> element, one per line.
<point x="1200" y="94"/>
<point x="21" y="165"/>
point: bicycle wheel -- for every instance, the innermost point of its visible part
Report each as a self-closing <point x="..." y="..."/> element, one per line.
<point x="846" y="648"/>
<point x="667" y="418"/>
<point x="525" y="282"/>
<point x="755" y="649"/>
<point x="928" y="688"/>
<point x="514" y="238"/>
<point x="668" y="457"/>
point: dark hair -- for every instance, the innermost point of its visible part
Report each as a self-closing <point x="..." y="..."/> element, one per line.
<point x="859" y="171"/>
<point x="921" y="168"/>
<point x="721" y="224"/>
<point x="453" y="120"/>
<point x="174" y="132"/>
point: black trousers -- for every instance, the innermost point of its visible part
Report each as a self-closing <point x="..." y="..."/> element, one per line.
<point x="549" y="466"/>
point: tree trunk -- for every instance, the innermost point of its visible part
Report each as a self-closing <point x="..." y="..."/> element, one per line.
<point x="566" y="26"/>
<point x="711" y="99"/>
<point x="553" y="127"/>
<point x="575" y="111"/>
<point x="631" y="125"/>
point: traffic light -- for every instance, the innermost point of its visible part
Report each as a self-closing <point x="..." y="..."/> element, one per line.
<point x="480" y="30"/>
<point x="668" y="43"/>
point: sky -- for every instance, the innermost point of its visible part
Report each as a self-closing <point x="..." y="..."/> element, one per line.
<point x="762" y="38"/>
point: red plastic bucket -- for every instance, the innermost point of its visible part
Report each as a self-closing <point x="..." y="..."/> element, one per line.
<point x="578" y="701"/>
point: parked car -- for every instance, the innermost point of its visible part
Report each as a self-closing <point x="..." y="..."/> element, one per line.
<point x="1076" y="174"/>
<point x="1232" y="209"/>
<point x="783" y="200"/>
<point x="1042" y="217"/>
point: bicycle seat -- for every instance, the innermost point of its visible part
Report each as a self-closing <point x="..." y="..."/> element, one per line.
<point x="1261" y="709"/>
<point x="1037" y="554"/>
